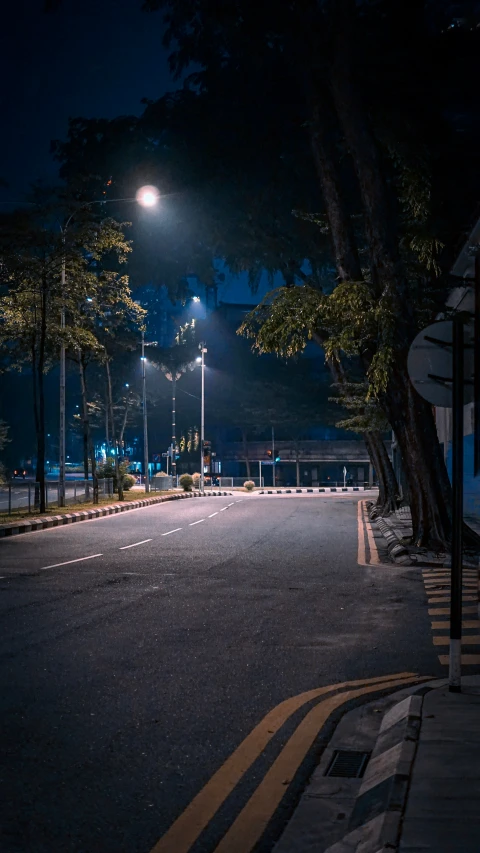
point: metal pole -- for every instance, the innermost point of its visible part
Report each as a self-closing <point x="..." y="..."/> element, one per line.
<point x="259" y="473"/>
<point x="202" y="427"/>
<point x="9" y="499"/>
<point x="476" y="369"/>
<point x="145" y="425"/>
<point x="29" y="498"/>
<point x="273" y="455"/>
<point x="455" y="669"/>
<point x="174" y="438"/>
<point x="61" y="473"/>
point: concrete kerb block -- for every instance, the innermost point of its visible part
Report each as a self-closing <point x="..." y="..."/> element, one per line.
<point x="375" y="822"/>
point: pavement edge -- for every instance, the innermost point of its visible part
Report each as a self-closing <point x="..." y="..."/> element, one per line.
<point x="369" y="811"/>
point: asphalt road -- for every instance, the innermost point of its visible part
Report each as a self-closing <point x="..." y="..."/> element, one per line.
<point x="127" y="679"/>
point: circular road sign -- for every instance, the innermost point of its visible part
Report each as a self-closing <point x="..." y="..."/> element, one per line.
<point x="430" y="363"/>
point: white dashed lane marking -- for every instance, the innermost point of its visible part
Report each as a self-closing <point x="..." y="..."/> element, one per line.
<point x="171" y="531"/>
<point x="213" y="513"/>
<point x="196" y="522"/>
<point x="134" y="544"/>
<point x="67" y="562"/>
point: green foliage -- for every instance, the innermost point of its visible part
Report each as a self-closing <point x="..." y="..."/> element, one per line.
<point x="186" y="482"/>
<point x="107" y="470"/>
<point x="128" y="482"/>
<point x="249" y="485"/>
<point x="366" y="414"/>
<point x="3" y="434"/>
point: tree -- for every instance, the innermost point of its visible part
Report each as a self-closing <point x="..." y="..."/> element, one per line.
<point x="33" y="249"/>
<point x="375" y="156"/>
<point x="313" y="42"/>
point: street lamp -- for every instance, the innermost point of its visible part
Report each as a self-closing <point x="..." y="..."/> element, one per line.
<point x="145" y="426"/>
<point x="201" y="360"/>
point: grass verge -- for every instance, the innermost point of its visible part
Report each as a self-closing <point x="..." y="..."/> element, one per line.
<point x="22" y="513"/>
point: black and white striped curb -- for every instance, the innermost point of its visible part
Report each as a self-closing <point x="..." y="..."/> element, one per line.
<point x="14" y="528"/>
<point x="375" y="822"/>
<point x="304" y="491"/>
<point x="395" y="548"/>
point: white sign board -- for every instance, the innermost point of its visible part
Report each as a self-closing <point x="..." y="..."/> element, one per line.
<point x="430" y="363"/>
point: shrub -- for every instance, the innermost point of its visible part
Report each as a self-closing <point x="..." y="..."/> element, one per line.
<point x="128" y="481"/>
<point x="107" y="471"/>
<point x="249" y="485"/>
<point x="196" y="479"/>
<point x="186" y="482"/>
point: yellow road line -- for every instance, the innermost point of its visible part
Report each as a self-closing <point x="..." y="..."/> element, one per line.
<point x="467" y="623"/>
<point x="466" y="660"/>
<point x="445" y="611"/>
<point x="446" y="598"/>
<point x="374" y="555"/>
<point x="252" y="821"/>
<point x="361" y="555"/>
<point x="193" y="820"/>
<point x="446" y="583"/>
<point x="467" y="640"/>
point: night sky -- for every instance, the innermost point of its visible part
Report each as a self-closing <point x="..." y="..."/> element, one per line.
<point x="94" y="58"/>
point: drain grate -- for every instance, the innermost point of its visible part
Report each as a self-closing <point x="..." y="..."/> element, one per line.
<point x="348" y="763"/>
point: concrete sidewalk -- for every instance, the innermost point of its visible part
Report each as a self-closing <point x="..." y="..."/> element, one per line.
<point x="443" y="806"/>
<point x="420" y="792"/>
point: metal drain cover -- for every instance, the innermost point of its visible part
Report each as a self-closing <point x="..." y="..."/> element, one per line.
<point x="348" y="763"/>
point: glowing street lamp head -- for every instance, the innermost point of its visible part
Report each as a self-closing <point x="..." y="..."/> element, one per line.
<point x="147" y="196"/>
<point x="196" y="299"/>
<point x="198" y="359"/>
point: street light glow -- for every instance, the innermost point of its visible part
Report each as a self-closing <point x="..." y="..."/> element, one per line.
<point x="147" y="196"/>
<point x="196" y="299"/>
<point x="198" y="359"/>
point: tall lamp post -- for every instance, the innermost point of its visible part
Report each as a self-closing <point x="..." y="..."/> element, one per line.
<point x="145" y="423"/>
<point x="201" y="360"/>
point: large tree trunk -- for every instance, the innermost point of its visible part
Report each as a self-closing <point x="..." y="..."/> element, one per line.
<point x="377" y="452"/>
<point x="409" y="415"/>
<point x="429" y="490"/>
<point x="119" y="476"/>
<point x="387" y="481"/>
<point x="339" y="220"/>
<point x="85" y="423"/>
<point x="348" y="268"/>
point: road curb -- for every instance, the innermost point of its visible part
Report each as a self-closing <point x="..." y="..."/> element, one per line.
<point x="375" y="822"/>
<point x="395" y="547"/>
<point x="33" y="525"/>
<point x="307" y="490"/>
<point x="341" y="813"/>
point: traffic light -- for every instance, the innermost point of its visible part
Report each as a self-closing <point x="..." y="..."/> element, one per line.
<point x="269" y="454"/>
<point x="277" y="458"/>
